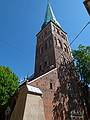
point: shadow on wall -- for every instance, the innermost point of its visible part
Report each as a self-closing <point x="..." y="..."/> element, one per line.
<point x="69" y="100"/>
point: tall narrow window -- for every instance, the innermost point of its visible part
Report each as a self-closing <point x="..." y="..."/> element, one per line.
<point x="45" y="64"/>
<point x="55" y="40"/>
<point x="47" y="44"/>
<point x="51" y="87"/>
<point x="58" y="31"/>
<point x="59" y="44"/>
<point x="41" y="49"/>
<point x="65" y="48"/>
<point x="63" y="36"/>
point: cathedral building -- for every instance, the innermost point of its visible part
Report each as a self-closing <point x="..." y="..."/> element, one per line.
<point x="53" y="93"/>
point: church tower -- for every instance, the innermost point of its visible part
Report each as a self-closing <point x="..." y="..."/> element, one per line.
<point x="52" y="44"/>
<point x="54" y="74"/>
<point x="55" y="91"/>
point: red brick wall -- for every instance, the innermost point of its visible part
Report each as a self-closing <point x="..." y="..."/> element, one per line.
<point x="43" y="82"/>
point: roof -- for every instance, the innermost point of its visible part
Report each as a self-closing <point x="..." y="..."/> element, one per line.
<point x="34" y="89"/>
<point x="49" y="16"/>
<point x="42" y="76"/>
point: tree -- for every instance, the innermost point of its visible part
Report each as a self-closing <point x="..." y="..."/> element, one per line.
<point x="8" y="85"/>
<point x="82" y="62"/>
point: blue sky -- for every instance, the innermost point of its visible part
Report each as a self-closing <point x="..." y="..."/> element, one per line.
<point x="21" y="20"/>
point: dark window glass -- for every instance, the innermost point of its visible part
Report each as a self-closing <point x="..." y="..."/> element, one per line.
<point x="64" y="59"/>
<point x="40" y="67"/>
<point x="59" y="44"/>
<point x="47" y="44"/>
<point x="63" y="35"/>
<point x="45" y="64"/>
<point x="58" y="31"/>
<point x="55" y="40"/>
<point x="51" y="87"/>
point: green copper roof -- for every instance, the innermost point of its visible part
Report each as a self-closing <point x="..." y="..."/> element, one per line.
<point x="49" y="16"/>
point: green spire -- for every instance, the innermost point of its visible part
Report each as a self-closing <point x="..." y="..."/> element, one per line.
<point x="49" y="16"/>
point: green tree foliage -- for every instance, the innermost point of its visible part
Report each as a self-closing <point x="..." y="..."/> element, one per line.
<point x="82" y="62"/>
<point x="8" y="84"/>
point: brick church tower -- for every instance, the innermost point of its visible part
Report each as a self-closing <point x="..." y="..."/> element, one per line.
<point x="54" y="93"/>
<point x="51" y="51"/>
<point x="52" y="44"/>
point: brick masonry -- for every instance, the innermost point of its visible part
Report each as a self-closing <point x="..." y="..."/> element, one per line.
<point x="43" y="82"/>
<point x="51" y="51"/>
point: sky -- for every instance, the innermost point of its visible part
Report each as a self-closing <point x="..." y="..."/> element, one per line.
<point x="21" y="20"/>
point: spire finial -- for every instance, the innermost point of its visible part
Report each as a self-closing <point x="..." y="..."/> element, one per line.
<point x="48" y="2"/>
